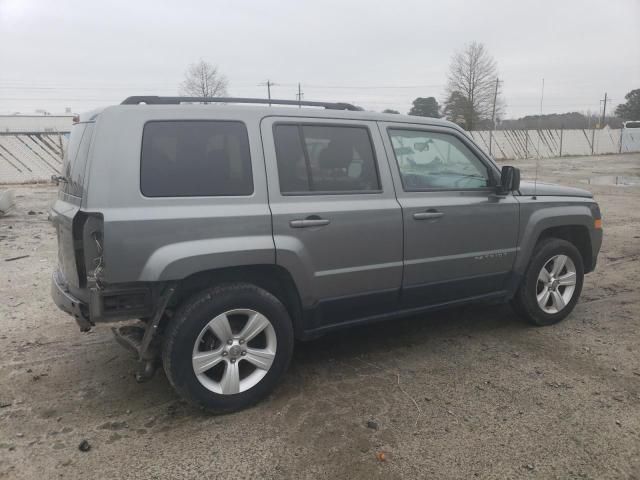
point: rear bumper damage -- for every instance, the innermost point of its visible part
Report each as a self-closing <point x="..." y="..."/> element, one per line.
<point x="119" y="304"/>
<point x="68" y="303"/>
<point x="91" y="305"/>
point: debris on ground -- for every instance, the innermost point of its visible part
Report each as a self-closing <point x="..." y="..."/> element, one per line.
<point x="114" y="426"/>
<point x="372" y="424"/>
<point x="7" y="202"/>
<point x="84" y="446"/>
<point x="11" y="259"/>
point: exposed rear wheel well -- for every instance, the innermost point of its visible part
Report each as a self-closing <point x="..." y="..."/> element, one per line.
<point x="272" y="278"/>
<point x="578" y="235"/>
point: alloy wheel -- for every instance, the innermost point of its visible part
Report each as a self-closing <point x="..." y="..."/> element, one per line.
<point x="556" y="284"/>
<point x="234" y="351"/>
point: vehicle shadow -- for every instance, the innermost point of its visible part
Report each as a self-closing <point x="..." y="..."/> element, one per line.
<point x="411" y="331"/>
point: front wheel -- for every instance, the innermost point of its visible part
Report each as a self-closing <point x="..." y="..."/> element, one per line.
<point x="552" y="283"/>
<point x="227" y="347"/>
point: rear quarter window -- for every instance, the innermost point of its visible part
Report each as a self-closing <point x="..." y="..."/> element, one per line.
<point x="195" y="158"/>
<point x="75" y="159"/>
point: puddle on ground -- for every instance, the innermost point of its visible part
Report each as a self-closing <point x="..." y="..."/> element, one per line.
<point x="620" y="180"/>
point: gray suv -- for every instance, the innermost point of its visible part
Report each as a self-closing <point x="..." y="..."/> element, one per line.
<point x="227" y="230"/>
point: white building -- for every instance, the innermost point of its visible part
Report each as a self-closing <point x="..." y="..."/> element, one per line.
<point x="36" y="123"/>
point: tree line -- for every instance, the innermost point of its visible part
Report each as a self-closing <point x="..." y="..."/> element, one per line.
<point x="473" y="96"/>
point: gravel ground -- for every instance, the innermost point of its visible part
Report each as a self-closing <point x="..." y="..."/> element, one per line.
<point x="467" y="392"/>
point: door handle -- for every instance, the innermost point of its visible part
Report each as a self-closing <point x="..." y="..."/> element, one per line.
<point x="312" y="221"/>
<point x="428" y="215"/>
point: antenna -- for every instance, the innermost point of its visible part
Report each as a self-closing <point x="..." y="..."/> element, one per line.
<point x="535" y="182"/>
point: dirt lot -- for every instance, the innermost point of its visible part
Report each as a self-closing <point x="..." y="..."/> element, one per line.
<point x="463" y="393"/>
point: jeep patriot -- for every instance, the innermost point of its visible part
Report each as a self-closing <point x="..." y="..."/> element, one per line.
<point x="224" y="230"/>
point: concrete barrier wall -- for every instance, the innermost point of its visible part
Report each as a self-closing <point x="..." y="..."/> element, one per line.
<point x="31" y="157"/>
<point x="546" y="143"/>
<point x="35" y="156"/>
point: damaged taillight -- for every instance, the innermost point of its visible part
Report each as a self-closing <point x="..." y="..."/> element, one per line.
<point x="93" y="249"/>
<point x="96" y="274"/>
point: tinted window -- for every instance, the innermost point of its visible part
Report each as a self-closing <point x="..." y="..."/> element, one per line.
<point x="75" y="159"/>
<point x="317" y="158"/>
<point x="429" y="160"/>
<point x="195" y="158"/>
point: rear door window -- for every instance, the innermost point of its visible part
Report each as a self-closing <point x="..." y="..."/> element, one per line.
<point x="325" y="159"/>
<point x="195" y="158"/>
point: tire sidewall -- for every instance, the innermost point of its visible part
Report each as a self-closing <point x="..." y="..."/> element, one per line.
<point x="194" y="316"/>
<point x="547" y="250"/>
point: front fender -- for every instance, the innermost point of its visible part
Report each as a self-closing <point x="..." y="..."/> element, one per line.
<point x="536" y="216"/>
<point x="179" y="260"/>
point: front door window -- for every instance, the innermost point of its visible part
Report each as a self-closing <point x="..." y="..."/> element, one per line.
<point x="436" y="161"/>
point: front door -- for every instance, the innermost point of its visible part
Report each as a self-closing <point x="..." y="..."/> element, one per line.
<point x="460" y="237"/>
<point x="337" y="226"/>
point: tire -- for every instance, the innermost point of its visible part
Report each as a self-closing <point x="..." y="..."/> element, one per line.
<point x="562" y="294"/>
<point x="195" y="337"/>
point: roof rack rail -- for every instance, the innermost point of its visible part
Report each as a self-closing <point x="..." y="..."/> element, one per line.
<point x="155" y="100"/>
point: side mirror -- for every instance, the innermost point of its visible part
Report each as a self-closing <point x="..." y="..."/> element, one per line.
<point x="509" y="179"/>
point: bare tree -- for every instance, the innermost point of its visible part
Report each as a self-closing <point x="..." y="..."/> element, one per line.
<point x="471" y="85"/>
<point x="203" y="79"/>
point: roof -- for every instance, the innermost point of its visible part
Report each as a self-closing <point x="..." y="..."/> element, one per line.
<point x="261" y="108"/>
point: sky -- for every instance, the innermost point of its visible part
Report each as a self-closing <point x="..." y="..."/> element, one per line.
<point x="86" y="54"/>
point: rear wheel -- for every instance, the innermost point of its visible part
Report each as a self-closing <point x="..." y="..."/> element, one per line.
<point x="552" y="283"/>
<point x="227" y="347"/>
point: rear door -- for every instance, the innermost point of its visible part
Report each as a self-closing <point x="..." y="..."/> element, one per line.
<point x="337" y="225"/>
<point x="460" y="237"/>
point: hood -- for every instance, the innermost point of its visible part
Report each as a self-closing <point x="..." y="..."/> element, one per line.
<point x="528" y="188"/>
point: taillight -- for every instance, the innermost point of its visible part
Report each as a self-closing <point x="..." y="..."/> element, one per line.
<point x="92" y="249"/>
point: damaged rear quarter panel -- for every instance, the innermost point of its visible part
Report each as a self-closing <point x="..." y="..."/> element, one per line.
<point x="169" y="238"/>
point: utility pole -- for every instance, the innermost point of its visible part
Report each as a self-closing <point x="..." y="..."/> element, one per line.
<point x="299" y="95"/>
<point x="268" y="84"/>
<point x="604" y="110"/>
<point x="493" y="115"/>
